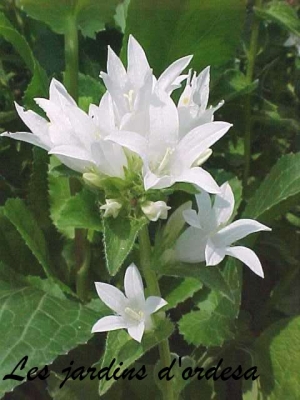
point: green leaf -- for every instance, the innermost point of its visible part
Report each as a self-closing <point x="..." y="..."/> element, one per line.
<point x="121" y="14"/>
<point x="214" y="323"/>
<point x="211" y="277"/>
<point x="119" y="345"/>
<point x="39" y="83"/>
<point x="182" y="27"/>
<point x="23" y="220"/>
<point x="276" y="356"/>
<point x="35" y="323"/>
<point x="90" y="15"/>
<point x="281" y="13"/>
<point x="80" y="211"/>
<point x="59" y="194"/>
<point x="184" y="289"/>
<point x="90" y="91"/>
<point x="119" y="238"/>
<point x="278" y="192"/>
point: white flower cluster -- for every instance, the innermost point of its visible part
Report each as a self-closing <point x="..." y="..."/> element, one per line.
<point x="138" y="126"/>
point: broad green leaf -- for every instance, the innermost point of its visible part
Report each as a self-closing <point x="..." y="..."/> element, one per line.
<point x="35" y="323"/>
<point x="276" y="356"/>
<point x="80" y="211"/>
<point x="280" y="188"/>
<point x="214" y="323"/>
<point x="90" y="15"/>
<point x="122" y="347"/>
<point x="120" y="16"/>
<point x="119" y="237"/>
<point x="281" y="13"/>
<point x="21" y="217"/>
<point x="171" y="29"/>
<point x="184" y="289"/>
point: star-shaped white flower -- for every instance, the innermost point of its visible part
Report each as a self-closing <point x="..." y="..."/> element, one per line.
<point x="75" y="137"/>
<point x="192" y="105"/>
<point x="111" y="208"/>
<point x="133" y="311"/>
<point x="155" y="210"/>
<point x="209" y="236"/>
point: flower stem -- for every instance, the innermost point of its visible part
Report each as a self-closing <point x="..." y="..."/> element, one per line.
<point x="71" y="58"/>
<point x="248" y="104"/>
<point x="71" y="83"/>
<point x="153" y="288"/>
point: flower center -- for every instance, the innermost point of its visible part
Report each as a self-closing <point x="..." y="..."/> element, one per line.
<point x="163" y="166"/>
<point x="130" y="97"/>
<point x="135" y="315"/>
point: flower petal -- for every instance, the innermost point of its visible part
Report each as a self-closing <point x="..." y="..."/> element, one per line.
<point x="37" y="124"/>
<point x="154" y="303"/>
<point x="133" y="283"/>
<point x="131" y="140"/>
<point x="138" y="65"/>
<point x="190" y="247"/>
<point x="192" y="145"/>
<point x="248" y="257"/>
<point x="152" y="181"/>
<point x="110" y="323"/>
<point x="112" y="297"/>
<point x="28" y="138"/>
<point x="238" y="230"/>
<point x="115" y="68"/>
<point x="198" y="176"/>
<point x="191" y="217"/>
<point x="137" y="331"/>
<point x="168" y="77"/>
<point x="213" y="254"/>
<point x="59" y="95"/>
<point x="224" y="204"/>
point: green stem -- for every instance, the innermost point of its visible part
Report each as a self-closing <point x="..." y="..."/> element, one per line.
<point x="71" y="83"/>
<point x="153" y="288"/>
<point x="71" y="58"/>
<point x="248" y="104"/>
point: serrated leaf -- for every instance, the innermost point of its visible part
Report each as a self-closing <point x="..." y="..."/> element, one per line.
<point x="122" y="347"/>
<point x="185" y="27"/>
<point x="281" y="13"/>
<point x="36" y="324"/>
<point x="184" y="289"/>
<point x="276" y="356"/>
<point x="119" y="237"/>
<point x="80" y="211"/>
<point x="280" y="186"/>
<point x="21" y="217"/>
<point x="90" y="15"/>
<point x="214" y="323"/>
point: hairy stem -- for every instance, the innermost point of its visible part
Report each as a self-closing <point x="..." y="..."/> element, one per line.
<point x="153" y="288"/>
<point x="248" y="104"/>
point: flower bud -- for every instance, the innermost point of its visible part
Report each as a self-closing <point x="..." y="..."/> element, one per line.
<point x="111" y="208"/>
<point x="155" y="210"/>
<point x="92" y="179"/>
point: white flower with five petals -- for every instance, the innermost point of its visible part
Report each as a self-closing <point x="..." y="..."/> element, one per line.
<point x="133" y="310"/>
<point x="209" y="237"/>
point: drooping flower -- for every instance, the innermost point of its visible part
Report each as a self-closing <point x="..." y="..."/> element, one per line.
<point x="133" y="311"/>
<point x="209" y="237"/>
<point x="111" y="208"/>
<point x="155" y="210"/>
<point x="75" y="137"/>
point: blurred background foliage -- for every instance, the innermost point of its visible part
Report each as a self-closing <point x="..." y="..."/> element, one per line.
<point x="258" y="77"/>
